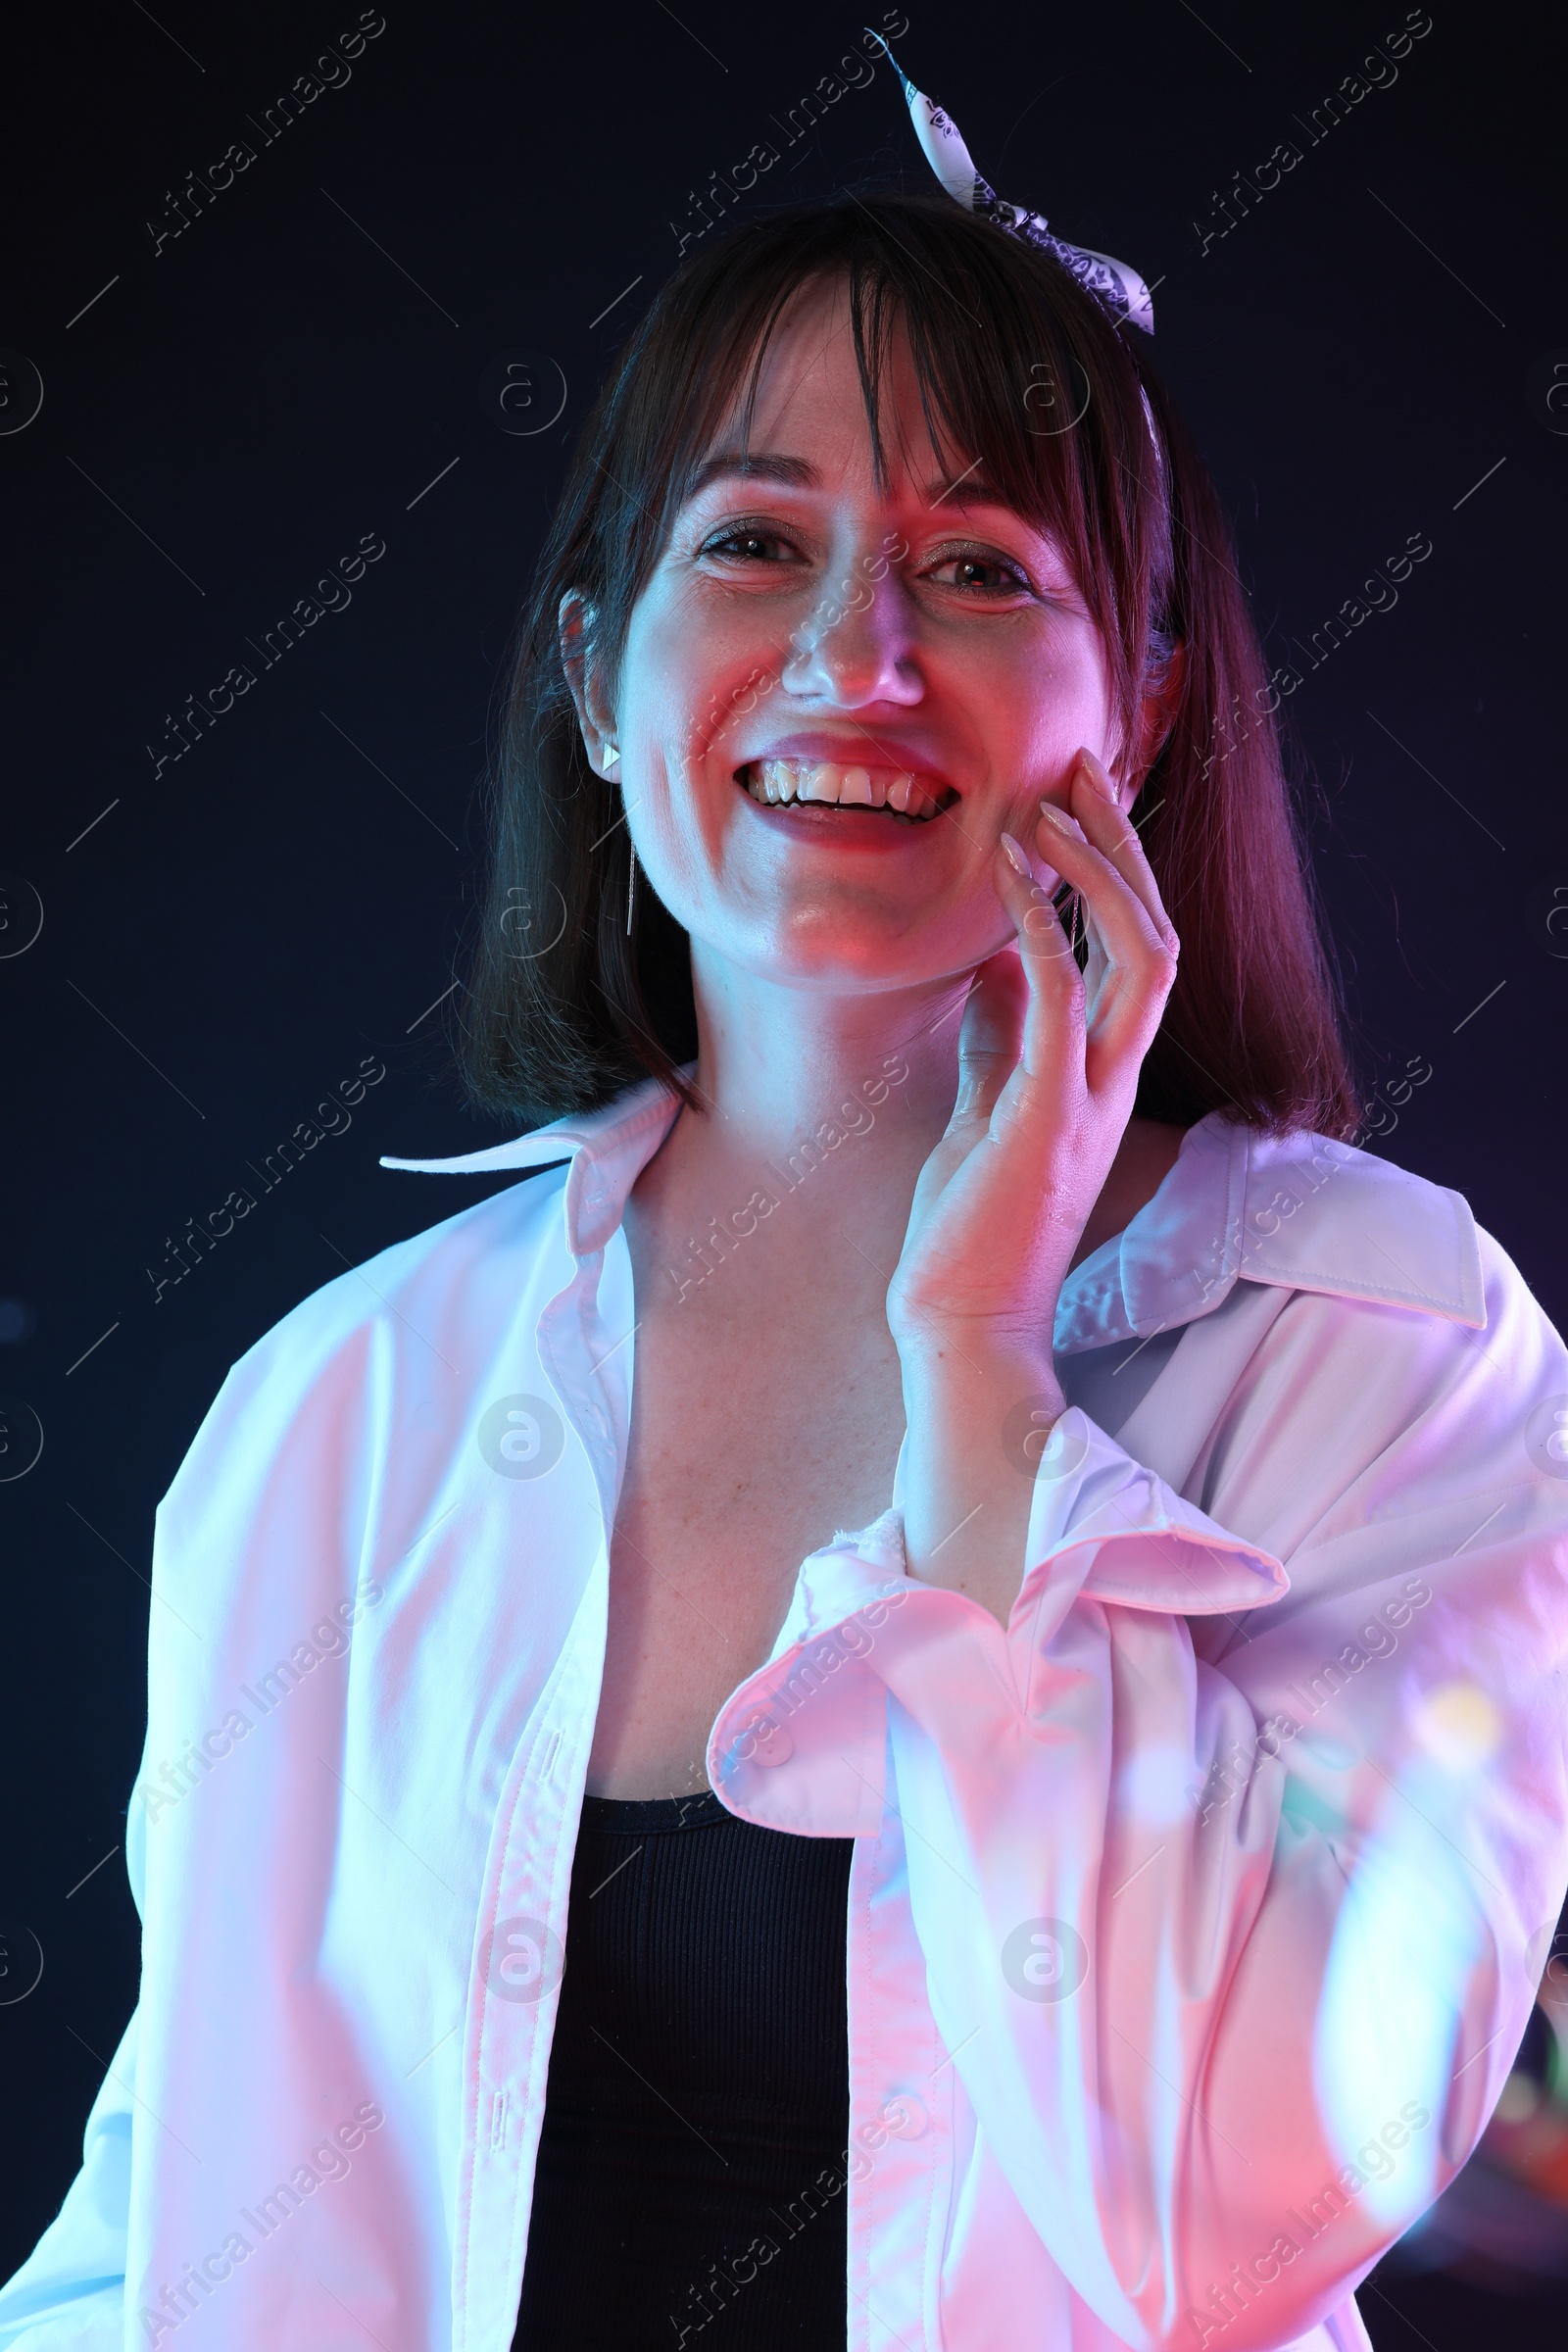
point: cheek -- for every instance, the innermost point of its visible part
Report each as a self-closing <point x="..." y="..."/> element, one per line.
<point x="1067" y="695"/>
<point x="1034" y="698"/>
<point x="689" y="680"/>
<point x="695" y="672"/>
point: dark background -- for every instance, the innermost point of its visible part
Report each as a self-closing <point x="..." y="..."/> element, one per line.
<point x="1364" y="358"/>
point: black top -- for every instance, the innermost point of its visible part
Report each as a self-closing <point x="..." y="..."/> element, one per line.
<point x="692" y="2168"/>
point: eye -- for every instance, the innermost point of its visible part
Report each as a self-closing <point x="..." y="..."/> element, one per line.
<point x="750" y="543"/>
<point x="978" y="572"/>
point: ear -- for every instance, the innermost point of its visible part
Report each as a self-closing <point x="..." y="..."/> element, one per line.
<point x="575" y="623"/>
<point x="1157" y="716"/>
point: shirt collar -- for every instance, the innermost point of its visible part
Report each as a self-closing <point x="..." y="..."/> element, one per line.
<point x="609" y="1149"/>
<point x="1298" y="1211"/>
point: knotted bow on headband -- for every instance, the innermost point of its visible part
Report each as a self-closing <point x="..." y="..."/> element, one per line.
<point x="1119" y="289"/>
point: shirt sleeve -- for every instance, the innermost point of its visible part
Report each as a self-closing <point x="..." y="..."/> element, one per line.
<point x="257" y="1464"/>
<point x="70" y="2294"/>
<point x="1232" y="1898"/>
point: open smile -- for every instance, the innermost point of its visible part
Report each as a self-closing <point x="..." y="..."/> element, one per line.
<point x="828" y="784"/>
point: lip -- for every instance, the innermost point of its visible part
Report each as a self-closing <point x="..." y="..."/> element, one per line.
<point x="851" y="828"/>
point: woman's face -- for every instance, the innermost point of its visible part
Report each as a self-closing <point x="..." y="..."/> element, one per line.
<point x="834" y="698"/>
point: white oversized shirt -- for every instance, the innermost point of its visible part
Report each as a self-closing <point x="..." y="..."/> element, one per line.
<point x="1193" y="1922"/>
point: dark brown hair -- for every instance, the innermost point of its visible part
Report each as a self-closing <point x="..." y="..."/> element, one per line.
<point x="1019" y="368"/>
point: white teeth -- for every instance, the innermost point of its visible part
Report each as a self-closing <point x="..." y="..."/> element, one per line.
<point x="906" y="797"/>
<point x="778" y="782"/>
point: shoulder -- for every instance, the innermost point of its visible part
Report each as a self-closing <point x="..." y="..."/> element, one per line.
<point x="465" y="1266"/>
<point x="1403" y="1377"/>
<point x="1320" y="1215"/>
<point x="1298" y="1212"/>
<point x="1389" y="1272"/>
<point x="375" y="1340"/>
<point x="1405" y="1314"/>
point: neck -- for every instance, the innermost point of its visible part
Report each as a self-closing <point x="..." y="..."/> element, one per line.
<point x="775" y="1062"/>
<point x="820" y="1110"/>
<point x="838" y="1097"/>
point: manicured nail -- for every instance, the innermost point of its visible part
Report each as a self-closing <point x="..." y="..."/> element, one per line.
<point x="1097" y="775"/>
<point x="1015" y="857"/>
<point x="1060" y="819"/>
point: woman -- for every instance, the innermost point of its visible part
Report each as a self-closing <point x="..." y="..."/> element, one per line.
<point x="1176" y="1741"/>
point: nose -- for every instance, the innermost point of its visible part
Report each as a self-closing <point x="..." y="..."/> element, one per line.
<point x="856" y="645"/>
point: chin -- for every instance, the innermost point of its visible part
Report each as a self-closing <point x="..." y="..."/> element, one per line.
<point x="856" y="952"/>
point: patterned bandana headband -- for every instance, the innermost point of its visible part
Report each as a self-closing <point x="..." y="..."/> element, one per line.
<point x="1120" y="290"/>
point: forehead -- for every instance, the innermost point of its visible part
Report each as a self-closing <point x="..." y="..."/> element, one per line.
<point x="806" y="400"/>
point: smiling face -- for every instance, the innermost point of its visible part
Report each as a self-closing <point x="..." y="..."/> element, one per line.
<point x="835" y="695"/>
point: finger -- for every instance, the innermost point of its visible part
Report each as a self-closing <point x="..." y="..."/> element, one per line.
<point x="990" y="1040"/>
<point x="1140" y="960"/>
<point x="989" y="1037"/>
<point x="1129" y="929"/>
<point x="1092" y="800"/>
<point x="1053" y="1014"/>
<point x="1096" y="963"/>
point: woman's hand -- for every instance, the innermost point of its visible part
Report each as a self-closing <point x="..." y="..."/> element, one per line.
<point x="1048" y="1070"/>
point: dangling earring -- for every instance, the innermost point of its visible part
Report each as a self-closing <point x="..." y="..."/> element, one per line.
<point x="631" y="888"/>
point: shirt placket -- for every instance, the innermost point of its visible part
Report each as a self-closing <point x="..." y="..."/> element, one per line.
<point x="519" y="1948"/>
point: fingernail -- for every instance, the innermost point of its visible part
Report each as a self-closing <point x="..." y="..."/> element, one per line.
<point x="1060" y="819"/>
<point x="1097" y="775"/>
<point x="1015" y="857"/>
